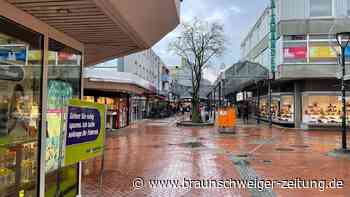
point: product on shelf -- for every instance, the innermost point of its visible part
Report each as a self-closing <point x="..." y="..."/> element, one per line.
<point x="27" y="171"/>
<point x="7" y="177"/>
<point x="324" y="114"/>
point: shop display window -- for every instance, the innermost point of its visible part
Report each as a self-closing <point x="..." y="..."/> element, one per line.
<point x="322" y="109"/>
<point x="117" y="114"/>
<point x="287" y="108"/>
<point x="89" y="99"/>
<point x="20" y="108"/>
<point x="64" y="76"/>
<point x="282" y="108"/>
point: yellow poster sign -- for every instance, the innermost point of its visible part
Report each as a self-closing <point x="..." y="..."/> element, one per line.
<point x="322" y="52"/>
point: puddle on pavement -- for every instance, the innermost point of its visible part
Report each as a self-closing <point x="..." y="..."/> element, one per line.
<point x="192" y="145"/>
<point x="267" y="161"/>
<point x="242" y="155"/>
<point x="300" y="146"/>
<point x="284" y="149"/>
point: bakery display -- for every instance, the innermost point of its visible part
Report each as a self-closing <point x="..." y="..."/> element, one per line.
<point x="317" y="113"/>
<point x="281" y="111"/>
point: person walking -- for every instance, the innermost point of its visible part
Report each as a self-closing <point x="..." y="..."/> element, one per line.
<point x="245" y="112"/>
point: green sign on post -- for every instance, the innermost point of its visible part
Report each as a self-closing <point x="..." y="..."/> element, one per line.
<point x="273" y="35"/>
<point x="85" y="134"/>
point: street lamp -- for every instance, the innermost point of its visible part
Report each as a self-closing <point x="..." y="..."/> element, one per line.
<point x="343" y="39"/>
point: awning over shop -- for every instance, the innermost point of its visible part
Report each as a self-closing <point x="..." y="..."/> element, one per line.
<point x="109" y="79"/>
<point x="108" y="28"/>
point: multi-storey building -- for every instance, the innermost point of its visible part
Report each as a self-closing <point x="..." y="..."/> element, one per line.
<point x="305" y="91"/>
<point x="142" y="79"/>
<point x="145" y="64"/>
<point x="43" y="47"/>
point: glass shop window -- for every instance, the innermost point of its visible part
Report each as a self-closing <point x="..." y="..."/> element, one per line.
<point x="20" y="108"/>
<point x="64" y="74"/>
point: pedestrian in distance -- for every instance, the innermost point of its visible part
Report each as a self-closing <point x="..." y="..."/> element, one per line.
<point x="245" y="111"/>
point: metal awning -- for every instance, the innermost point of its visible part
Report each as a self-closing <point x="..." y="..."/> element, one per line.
<point x="107" y="28"/>
<point x="242" y="74"/>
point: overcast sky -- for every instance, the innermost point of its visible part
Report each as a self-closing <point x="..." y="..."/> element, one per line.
<point x="237" y="16"/>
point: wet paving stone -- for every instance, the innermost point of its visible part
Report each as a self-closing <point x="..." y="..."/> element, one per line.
<point x="150" y="151"/>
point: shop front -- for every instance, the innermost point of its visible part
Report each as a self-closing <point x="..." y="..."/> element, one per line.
<point x="139" y="107"/>
<point x="124" y="93"/>
<point x="25" y="104"/>
<point x="282" y="108"/>
<point x="20" y="108"/>
<point x="323" y="109"/>
<point x="117" y="107"/>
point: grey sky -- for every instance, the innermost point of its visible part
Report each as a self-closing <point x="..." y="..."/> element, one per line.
<point x="238" y="16"/>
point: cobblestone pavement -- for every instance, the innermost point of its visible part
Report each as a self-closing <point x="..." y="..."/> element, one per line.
<point x="159" y="150"/>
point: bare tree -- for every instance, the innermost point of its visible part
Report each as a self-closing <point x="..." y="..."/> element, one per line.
<point x="197" y="43"/>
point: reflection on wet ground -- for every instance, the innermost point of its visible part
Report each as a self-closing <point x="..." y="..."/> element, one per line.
<point x="159" y="150"/>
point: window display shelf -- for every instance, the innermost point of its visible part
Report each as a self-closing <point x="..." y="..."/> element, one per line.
<point x="15" y="190"/>
<point x="13" y="142"/>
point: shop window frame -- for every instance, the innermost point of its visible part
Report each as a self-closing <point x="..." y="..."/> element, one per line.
<point x="41" y="100"/>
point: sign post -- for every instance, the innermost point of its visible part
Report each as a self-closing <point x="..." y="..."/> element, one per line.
<point x="85" y="136"/>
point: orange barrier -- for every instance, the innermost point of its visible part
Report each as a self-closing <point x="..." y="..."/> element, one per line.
<point x="226" y="119"/>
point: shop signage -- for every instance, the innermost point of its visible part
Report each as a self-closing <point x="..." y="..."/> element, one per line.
<point x="85" y="131"/>
<point x="240" y="96"/>
<point x="11" y="73"/>
<point x="66" y="56"/>
<point x="34" y="55"/>
<point x="322" y="52"/>
<point x="295" y="52"/>
<point x="13" y="55"/>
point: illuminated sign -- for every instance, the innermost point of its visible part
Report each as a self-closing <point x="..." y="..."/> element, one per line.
<point x="295" y="52"/>
<point x="322" y="52"/>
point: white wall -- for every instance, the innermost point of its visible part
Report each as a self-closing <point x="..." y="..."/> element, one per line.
<point x="145" y="64"/>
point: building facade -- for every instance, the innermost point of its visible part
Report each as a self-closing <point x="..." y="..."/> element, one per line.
<point x="136" y="83"/>
<point x="306" y="89"/>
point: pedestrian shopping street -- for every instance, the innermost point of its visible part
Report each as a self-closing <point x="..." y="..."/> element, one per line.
<point x="158" y="149"/>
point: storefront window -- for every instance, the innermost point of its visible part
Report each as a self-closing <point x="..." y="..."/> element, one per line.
<point x="20" y="108"/>
<point x="287" y="108"/>
<point x="282" y="108"/>
<point x="64" y="83"/>
<point x="322" y="109"/>
<point x="320" y="8"/>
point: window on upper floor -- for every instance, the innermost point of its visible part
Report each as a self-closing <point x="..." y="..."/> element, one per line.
<point x="320" y="8"/>
<point x="294" y="49"/>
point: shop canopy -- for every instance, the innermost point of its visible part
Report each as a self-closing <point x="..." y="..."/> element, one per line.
<point x="109" y="79"/>
<point x="242" y="74"/>
<point x="108" y="28"/>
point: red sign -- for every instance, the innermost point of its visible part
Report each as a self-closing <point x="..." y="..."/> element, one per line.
<point x="66" y="56"/>
<point x="295" y="52"/>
